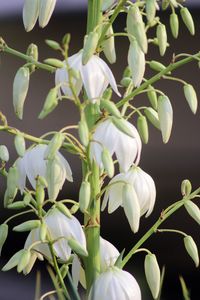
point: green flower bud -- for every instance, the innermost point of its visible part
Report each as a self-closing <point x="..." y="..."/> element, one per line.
<point x="186" y="187"/>
<point x="74" y="209"/>
<point x="157" y="66"/>
<point x="4" y="154"/>
<point x="16" y="205"/>
<point x="165" y="115"/>
<point x="108" y="46"/>
<point x="43" y="231"/>
<point x="20" y="145"/>
<point x="89" y="46"/>
<point x="83" y="132"/>
<point x="13" y="261"/>
<point x="187" y="19"/>
<point x="54" y="145"/>
<point x="107" y="94"/>
<point x="24" y="260"/>
<point x="54" y="62"/>
<point x="30" y="14"/>
<point x="191" y="97"/>
<point x="152" y="96"/>
<point x="191" y="249"/>
<point x="107" y="162"/>
<point x="142" y="127"/>
<point x="64" y="270"/>
<point x="136" y="28"/>
<point x="150" y="9"/>
<point x="136" y="61"/>
<point x="127" y="72"/>
<point x="12" y="181"/>
<point x="27" y="199"/>
<point x="174" y="25"/>
<point x="84" y="195"/>
<point x="121" y="124"/>
<point x="32" y="51"/>
<point x="27" y="226"/>
<point x="152" y="116"/>
<point x="152" y="273"/>
<point x="50" y="103"/>
<point x="193" y="210"/>
<point x="3" y="235"/>
<point x="126" y="81"/>
<point x="53" y="44"/>
<point x="45" y="11"/>
<point x="162" y="38"/>
<point x="110" y="107"/>
<point x="40" y="195"/>
<point x="8" y="197"/>
<point x="77" y="247"/>
<point x="165" y="4"/>
<point x="63" y="209"/>
<point x="20" y="90"/>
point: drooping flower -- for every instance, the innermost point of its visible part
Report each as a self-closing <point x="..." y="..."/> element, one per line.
<point x="108" y="257"/>
<point x="34" y="164"/>
<point x="115" y="284"/>
<point x="135" y="191"/>
<point x="60" y="228"/>
<point x="126" y="148"/>
<point x="95" y="76"/>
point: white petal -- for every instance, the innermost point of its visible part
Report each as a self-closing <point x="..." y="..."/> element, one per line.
<point x="108" y="254"/>
<point x="67" y="167"/>
<point x="22" y="174"/>
<point x="131" y="207"/>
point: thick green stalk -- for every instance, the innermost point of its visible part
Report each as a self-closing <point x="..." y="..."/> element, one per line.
<point x="94" y="14"/>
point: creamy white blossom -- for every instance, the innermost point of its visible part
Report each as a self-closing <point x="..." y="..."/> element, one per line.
<point x="60" y="228"/>
<point x="95" y="76"/>
<point x="115" y="284"/>
<point x="127" y="149"/>
<point x="34" y="164"/>
<point x="143" y="192"/>
<point x="108" y="257"/>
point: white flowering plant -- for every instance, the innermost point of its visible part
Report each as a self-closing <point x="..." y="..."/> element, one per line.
<point x="108" y="142"/>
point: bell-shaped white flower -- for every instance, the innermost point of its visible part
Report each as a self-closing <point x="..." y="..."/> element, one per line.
<point x="95" y="76"/>
<point x="60" y="228"/>
<point x="126" y="148"/>
<point x="142" y="193"/>
<point x="108" y="257"/>
<point x="34" y="164"/>
<point x="115" y="284"/>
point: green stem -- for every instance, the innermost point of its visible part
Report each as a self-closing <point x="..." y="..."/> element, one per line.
<point x="165" y="215"/>
<point x="172" y="230"/>
<point x="171" y="67"/>
<point x="94" y="14"/>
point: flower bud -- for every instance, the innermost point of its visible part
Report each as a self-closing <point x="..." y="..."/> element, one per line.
<point x="162" y="38"/>
<point x="12" y="181"/>
<point x="191" y="248"/>
<point x="50" y="103"/>
<point x="174" y="24"/>
<point x="30" y="14"/>
<point x="142" y="127"/>
<point x="136" y="28"/>
<point x="83" y="132"/>
<point x="40" y="195"/>
<point x="152" y="96"/>
<point x="43" y="231"/>
<point x="136" y="61"/>
<point x="45" y="11"/>
<point x="20" y="145"/>
<point x="27" y="199"/>
<point x="191" y="97"/>
<point x="193" y="210"/>
<point x="54" y="177"/>
<point x="16" y="205"/>
<point x="131" y="206"/>
<point x="32" y="51"/>
<point x="77" y="247"/>
<point x="126" y="81"/>
<point x="3" y="235"/>
<point x="4" y="154"/>
<point x="20" y="90"/>
<point x="122" y="125"/>
<point x="107" y="162"/>
<point x="8" y="197"/>
<point x="108" y="46"/>
<point x="157" y="66"/>
<point x="27" y="226"/>
<point x="107" y="94"/>
<point x="110" y="107"/>
<point x="74" y="209"/>
<point x="150" y="9"/>
<point x="63" y="209"/>
<point x="89" y="46"/>
<point x="165" y="4"/>
<point x="152" y="273"/>
<point x="54" y="145"/>
<point x="13" y="261"/>
<point x="64" y="270"/>
<point x="84" y="195"/>
<point x="165" y="115"/>
<point x="152" y="116"/>
<point x="54" y="62"/>
<point x="23" y="260"/>
<point x="187" y="19"/>
<point x="53" y="44"/>
<point x="186" y="187"/>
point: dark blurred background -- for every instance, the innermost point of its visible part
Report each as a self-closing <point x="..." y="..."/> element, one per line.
<point x="167" y="164"/>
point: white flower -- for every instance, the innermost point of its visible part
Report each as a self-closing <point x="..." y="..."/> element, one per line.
<point x="143" y="194"/>
<point x="33" y="164"/>
<point x="60" y="228"/>
<point x="115" y="284"/>
<point x="94" y="76"/>
<point x="126" y="148"/>
<point x="108" y="257"/>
